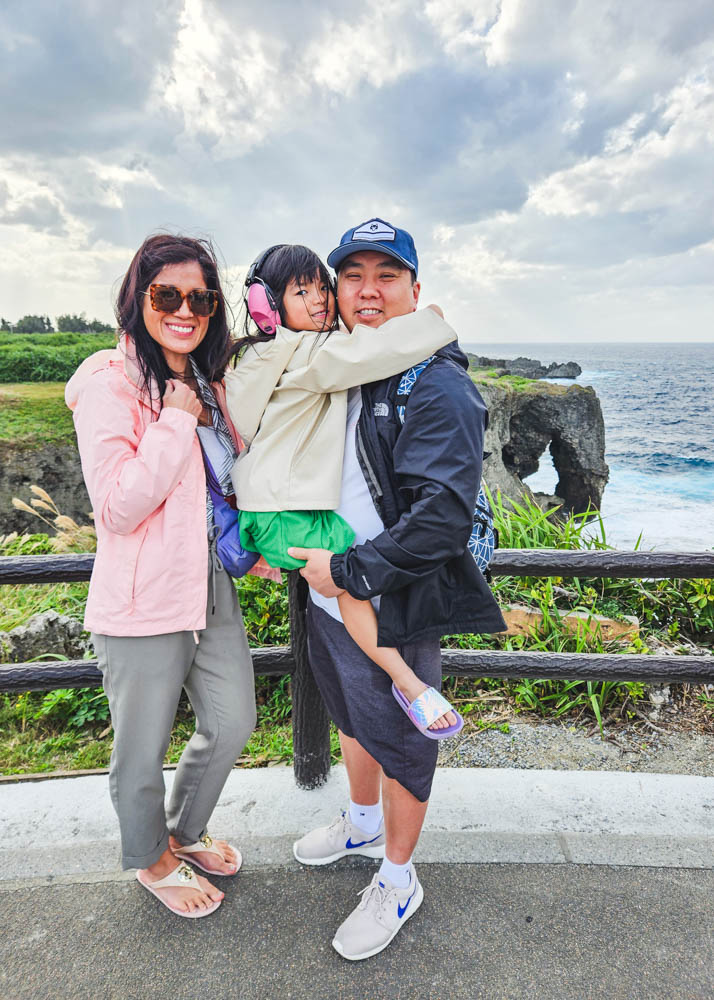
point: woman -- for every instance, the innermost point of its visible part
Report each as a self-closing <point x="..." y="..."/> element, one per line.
<point x="162" y="611"/>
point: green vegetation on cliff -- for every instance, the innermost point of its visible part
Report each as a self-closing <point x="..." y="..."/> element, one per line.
<point x="489" y="376"/>
<point x="35" y="414"/>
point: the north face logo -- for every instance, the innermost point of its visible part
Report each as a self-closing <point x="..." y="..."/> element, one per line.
<point x="381" y="410"/>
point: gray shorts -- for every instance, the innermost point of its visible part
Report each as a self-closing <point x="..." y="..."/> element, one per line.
<point x="358" y="696"/>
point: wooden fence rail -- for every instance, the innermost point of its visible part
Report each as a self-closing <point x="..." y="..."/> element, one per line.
<point x="506" y="562"/>
<point x="311" y="747"/>
<point x="275" y="661"/>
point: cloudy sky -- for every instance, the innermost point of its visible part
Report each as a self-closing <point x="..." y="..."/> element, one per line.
<point x="552" y="158"/>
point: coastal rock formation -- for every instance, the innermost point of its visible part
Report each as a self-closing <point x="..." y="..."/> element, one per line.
<point x="571" y="369"/>
<point x="527" y="420"/>
<point x="527" y="367"/>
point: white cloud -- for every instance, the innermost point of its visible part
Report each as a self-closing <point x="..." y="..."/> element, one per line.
<point x="11" y="39"/>
<point x="73" y="276"/>
<point x="373" y="50"/>
<point x="222" y="83"/>
<point x="442" y="233"/>
<point x="463" y="24"/>
<point x="112" y="180"/>
<point x="578" y="103"/>
<point x="29" y="195"/>
<point x="638" y="173"/>
<point x="234" y="87"/>
<point x="476" y="261"/>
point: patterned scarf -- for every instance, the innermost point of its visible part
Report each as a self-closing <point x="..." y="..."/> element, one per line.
<point x="223" y="469"/>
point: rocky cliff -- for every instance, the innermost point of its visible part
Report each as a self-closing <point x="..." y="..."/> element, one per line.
<point x="56" y="468"/>
<point x="526" y="367"/>
<point x="526" y="418"/>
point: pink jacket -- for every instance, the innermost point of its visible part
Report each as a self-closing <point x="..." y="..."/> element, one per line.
<point x="146" y="481"/>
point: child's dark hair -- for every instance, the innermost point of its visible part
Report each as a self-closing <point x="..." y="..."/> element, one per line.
<point x="290" y="262"/>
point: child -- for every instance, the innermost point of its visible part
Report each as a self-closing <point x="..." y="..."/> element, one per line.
<point x="287" y="396"/>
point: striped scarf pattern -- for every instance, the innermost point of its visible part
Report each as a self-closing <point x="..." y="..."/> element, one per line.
<point x="228" y="457"/>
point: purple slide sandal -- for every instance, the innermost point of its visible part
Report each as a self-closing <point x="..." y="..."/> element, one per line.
<point x="426" y="709"/>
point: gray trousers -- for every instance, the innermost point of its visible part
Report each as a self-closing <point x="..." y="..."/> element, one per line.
<point x="143" y="677"/>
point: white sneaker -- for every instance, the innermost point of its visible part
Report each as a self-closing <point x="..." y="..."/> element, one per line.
<point x="338" y="840"/>
<point x="382" y="912"/>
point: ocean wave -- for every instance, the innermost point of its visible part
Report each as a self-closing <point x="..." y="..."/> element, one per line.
<point x="666" y="463"/>
<point x="582" y="379"/>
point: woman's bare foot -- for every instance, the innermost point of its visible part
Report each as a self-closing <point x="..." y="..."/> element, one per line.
<point x="226" y="864"/>
<point x="179" y="898"/>
<point x="411" y="689"/>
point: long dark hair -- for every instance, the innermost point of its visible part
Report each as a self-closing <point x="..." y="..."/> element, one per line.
<point x="290" y="262"/>
<point x="154" y="254"/>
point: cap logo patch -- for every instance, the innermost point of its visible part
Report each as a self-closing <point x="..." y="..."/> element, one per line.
<point x="375" y="230"/>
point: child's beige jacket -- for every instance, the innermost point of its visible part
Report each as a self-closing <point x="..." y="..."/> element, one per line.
<point x="288" y="400"/>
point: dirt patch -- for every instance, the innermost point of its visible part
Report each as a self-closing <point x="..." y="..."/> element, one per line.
<point x="576" y="748"/>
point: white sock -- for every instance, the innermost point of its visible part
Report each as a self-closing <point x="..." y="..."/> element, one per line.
<point x="367" y="818"/>
<point x="398" y="875"/>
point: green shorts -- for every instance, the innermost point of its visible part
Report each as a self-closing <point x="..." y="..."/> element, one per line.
<point x="272" y="533"/>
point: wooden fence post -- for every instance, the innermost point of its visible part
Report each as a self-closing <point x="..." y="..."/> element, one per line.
<point x="311" y="723"/>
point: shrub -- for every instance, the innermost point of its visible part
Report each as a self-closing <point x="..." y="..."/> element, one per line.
<point x="47" y="357"/>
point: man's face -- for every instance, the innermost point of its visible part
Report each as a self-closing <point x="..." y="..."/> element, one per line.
<point x="372" y="288"/>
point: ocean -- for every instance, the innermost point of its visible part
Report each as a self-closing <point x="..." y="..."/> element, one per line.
<point x="657" y="402"/>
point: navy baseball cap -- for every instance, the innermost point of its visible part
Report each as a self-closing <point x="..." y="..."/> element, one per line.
<point x="376" y="234"/>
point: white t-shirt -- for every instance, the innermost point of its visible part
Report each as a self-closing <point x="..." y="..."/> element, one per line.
<point x="356" y="504"/>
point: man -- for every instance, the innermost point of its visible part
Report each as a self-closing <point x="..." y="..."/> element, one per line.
<point x="408" y="491"/>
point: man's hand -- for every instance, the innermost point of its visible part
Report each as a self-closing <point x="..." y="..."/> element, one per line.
<point x="317" y="570"/>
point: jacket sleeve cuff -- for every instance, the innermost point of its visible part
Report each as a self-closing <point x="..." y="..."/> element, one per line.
<point x="336" y="570"/>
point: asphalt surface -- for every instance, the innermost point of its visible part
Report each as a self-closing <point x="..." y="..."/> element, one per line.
<point x="502" y="932"/>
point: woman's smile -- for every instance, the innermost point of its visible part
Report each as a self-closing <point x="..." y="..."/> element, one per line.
<point x="180" y="329"/>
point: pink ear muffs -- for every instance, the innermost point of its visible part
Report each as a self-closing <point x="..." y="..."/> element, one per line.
<point x="261" y="306"/>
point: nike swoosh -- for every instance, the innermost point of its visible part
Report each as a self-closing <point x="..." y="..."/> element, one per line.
<point x="401" y="910"/>
<point x="349" y="845"/>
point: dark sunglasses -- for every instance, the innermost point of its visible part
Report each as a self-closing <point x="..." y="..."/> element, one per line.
<point x="169" y="298"/>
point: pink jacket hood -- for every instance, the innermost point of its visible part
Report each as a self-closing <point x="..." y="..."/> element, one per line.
<point x="123" y="358"/>
<point x="145" y="478"/>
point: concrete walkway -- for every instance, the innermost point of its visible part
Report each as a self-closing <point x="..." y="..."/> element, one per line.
<point x="538" y="884"/>
<point x="67" y="826"/>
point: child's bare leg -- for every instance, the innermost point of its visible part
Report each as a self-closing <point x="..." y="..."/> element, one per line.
<point x="361" y="623"/>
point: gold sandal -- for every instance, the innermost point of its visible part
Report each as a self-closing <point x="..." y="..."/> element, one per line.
<point x="182" y="877"/>
<point x="206" y="845"/>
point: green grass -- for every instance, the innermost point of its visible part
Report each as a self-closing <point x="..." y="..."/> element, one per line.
<point x="37" y="734"/>
<point x="35" y="414"/>
<point x="489" y="376"/>
<point x="20" y="602"/>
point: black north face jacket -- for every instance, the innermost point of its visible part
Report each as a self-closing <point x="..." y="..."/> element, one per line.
<point x="424" y="478"/>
